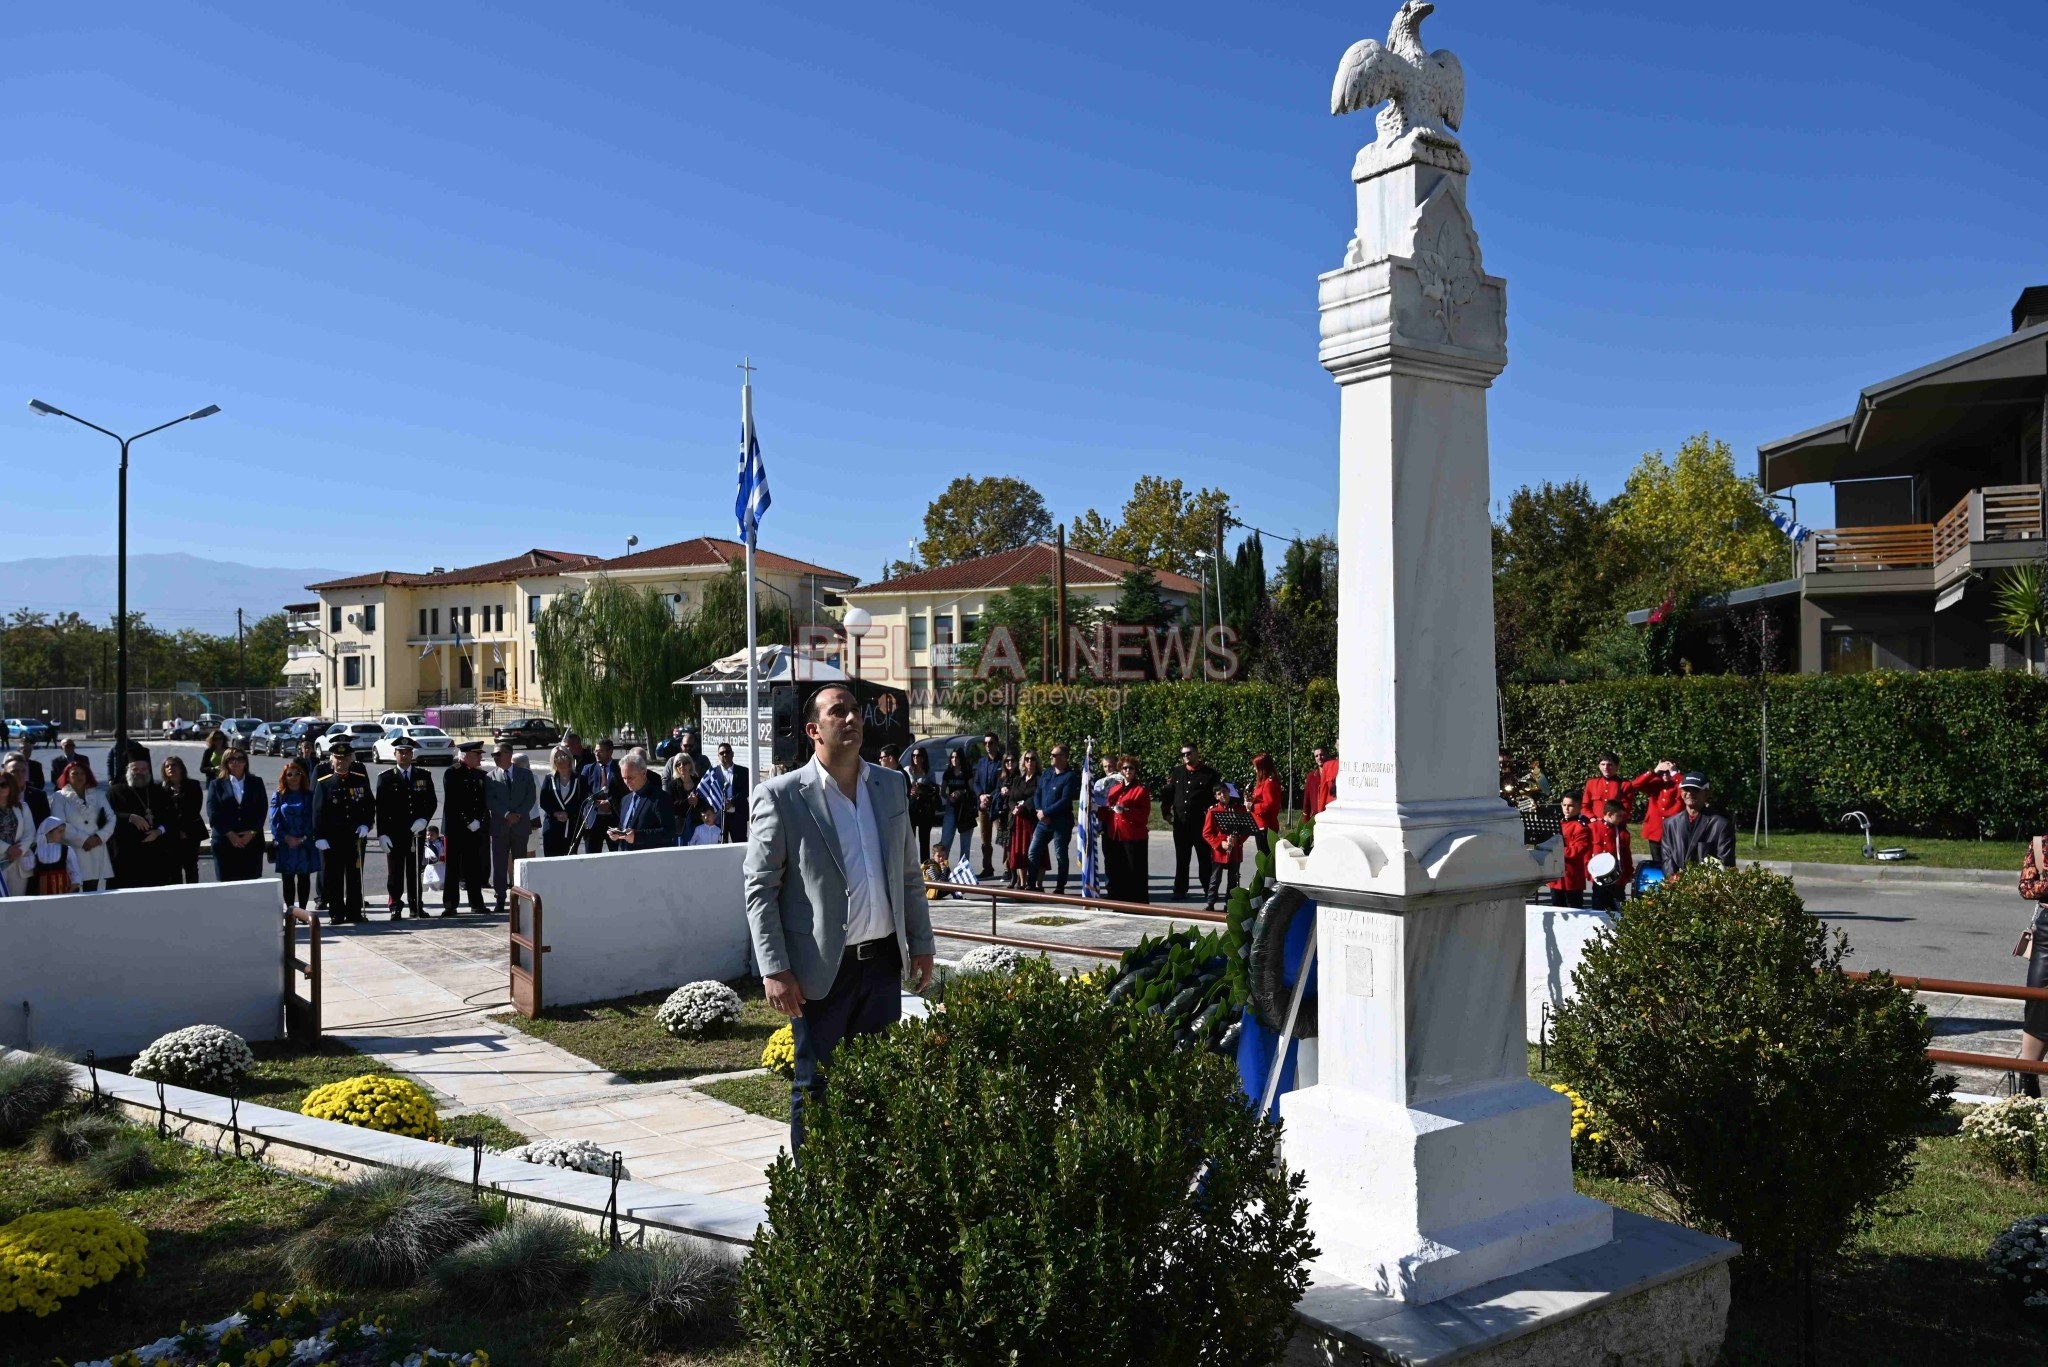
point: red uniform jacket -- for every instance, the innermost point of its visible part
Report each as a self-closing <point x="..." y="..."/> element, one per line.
<point x="1265" y="803"/>
<point x="1226" y="849"/>
<point x="1600" y="791"/>
<point x="1613" y="840"/>
<point x="1577" y="842"/>
<point x="1320" y="790"/>
<point x="1665" y="803"/>
<point x="1134" y="821"/>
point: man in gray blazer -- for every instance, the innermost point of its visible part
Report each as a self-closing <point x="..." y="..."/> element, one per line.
<point x="835" y="897"/>
<point x="510" y="793"/>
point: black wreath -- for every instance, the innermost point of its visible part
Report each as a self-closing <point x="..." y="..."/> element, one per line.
<point x="1268" y="965"/>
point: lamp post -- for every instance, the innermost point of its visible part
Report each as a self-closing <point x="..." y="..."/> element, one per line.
<point x="856" y="620"/>
<point x="43" y="410"/>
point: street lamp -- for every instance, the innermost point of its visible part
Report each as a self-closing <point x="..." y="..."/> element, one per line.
<point x="857" y="621"/>
<point x="44" y="410"/>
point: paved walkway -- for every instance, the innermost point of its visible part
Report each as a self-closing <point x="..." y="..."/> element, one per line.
<point x="417" y="995"/>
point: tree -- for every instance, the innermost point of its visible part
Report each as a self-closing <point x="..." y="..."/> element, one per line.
<point x="1139" y="602"/>
<point x="2019" y="606"/>
<point x="1698" y="526"/>
<point x="982" y="516"/>
<point x="1244" y="585"/>
<point x="1163" y="525"/>
<point x="1557" y="568"/>
<point x="1297" y="626"/>
<point x="611" y="656"/>
<point x="720" y="624"/>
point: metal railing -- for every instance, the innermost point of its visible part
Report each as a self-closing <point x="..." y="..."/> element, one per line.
<point x="1961" y="987"/>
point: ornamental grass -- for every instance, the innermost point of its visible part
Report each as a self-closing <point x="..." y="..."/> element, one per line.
<point x="384" y="1229"/>
<point x="530" y="1260"/>
<point x="664" y="1296"/>
<point x="31" y="1086"/>
<point x="76" y="1137"/>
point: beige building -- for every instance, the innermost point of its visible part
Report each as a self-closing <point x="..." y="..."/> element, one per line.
<point x="920" y="622"/>
<point x="398" y="641"/>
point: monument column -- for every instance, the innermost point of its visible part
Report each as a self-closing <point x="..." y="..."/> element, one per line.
<point x="1434" y="1163"/>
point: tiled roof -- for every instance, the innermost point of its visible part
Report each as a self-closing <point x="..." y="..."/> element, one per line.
<point x="701" y="552"/>
<point x="1025" y="565"/>
<point x="494" y="572"/>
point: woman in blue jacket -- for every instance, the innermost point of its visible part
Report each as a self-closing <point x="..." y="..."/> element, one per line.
<point x="291" y="825"/>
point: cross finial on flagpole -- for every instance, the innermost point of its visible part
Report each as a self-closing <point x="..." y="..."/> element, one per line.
<point x="749" y="366"/>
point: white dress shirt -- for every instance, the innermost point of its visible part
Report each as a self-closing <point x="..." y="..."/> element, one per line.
<point x="860" y="854"/>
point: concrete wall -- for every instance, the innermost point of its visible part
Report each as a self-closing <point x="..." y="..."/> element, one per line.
<point x="1556" y="946"/>
<point x="111" y="971"/>
<point x="616" y="924"/>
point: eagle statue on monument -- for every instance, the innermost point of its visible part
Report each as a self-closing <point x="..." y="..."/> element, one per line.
<point x="1424" y="91"/>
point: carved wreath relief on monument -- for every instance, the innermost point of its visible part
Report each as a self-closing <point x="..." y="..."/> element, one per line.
<point x="1424" y="91"/>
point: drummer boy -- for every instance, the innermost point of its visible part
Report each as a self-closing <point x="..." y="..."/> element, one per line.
<point x="1609" y="883"/>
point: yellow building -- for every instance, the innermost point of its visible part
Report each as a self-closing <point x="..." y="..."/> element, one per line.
<point x="399" y="641"/>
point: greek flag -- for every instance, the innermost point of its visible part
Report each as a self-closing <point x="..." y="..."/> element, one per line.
<point x="712" y="788"/>
<point x="753" y="497"/>
<point x="1091" y="869"/>
<point x="1798" y="531"/>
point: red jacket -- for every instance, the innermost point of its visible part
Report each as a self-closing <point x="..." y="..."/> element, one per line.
<point x="1577" y="841"/>
<point x="1665" y="802"/>
<point x="1320" y="790"/>
<point x="1600" y="791"/>
<point x="1265" y="803"/>
<point x="1135" y="820"/>
<point x="1614" y="840"/>
<point x="1226" y="849"/>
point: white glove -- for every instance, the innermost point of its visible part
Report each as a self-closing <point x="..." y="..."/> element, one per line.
<point x="420" y="827"/>
<point x="319" y="844"/>
<point x="384" y="843"/>
<point x="476" y="825"/>
<point x="362" y="832"/>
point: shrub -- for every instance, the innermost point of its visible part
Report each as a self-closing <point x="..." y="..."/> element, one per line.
<point x="31" y="1086"/>
<point x="530" y="1260"/>
<point x="580" y="1154"/>
<point x="203" y="1056"/>
<point x="991" y="959"/>
<point x="779" y="1055"/>
<point x="383" y="1229"/>
<point x="2010" y="1135"/>
<point x="695" y="1008"/>
<point x="376" y="1102"/>
<point x="50" y="1256"/>
<point x="1041" y="1174"/>
<point x="76" y="1137"/>
<point x="2018" y="1259"/>
<point x="1758" y="1090"/>
<point x="126" y="1162"/>
<point x="663" y="1295"/>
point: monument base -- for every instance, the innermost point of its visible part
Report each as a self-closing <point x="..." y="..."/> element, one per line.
<point x="1657" y="1296"/>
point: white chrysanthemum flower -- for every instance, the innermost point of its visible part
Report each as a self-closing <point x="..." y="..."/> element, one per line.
<point x="203" y="1056"/>
<point x="581" y="1155"/>
<point x="694" y="1008"/>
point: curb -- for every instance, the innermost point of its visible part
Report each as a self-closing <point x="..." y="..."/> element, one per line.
<point x="1891" y="873"/>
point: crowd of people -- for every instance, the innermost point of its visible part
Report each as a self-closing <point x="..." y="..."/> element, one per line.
<point x="1681" y="825"/>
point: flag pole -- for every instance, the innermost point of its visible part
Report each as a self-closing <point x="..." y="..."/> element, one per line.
<point x="750" y="524"/>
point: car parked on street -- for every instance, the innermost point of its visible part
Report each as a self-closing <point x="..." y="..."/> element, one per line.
<point x="182" y="728"/>
<point x="431" y="745"/>
<point x="31" y="728"/>
<point x="360" y="735"/>
<point x="532" y="733"/>
<point x="270" y="739"/>
<point x="239" y="728"/>
<point x="315" y="727"/>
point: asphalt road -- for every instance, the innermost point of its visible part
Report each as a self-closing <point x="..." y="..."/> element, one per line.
<point x="1936" y="930"/>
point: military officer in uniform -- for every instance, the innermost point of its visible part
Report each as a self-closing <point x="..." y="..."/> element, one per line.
<point x="342" y="812"/>
<point x="465" y="816"/>
<point x="405" y="803"/>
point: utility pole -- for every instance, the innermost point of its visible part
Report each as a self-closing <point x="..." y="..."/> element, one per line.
<point x="1059" y="588"/>
<point x="1221" y="514"/>
<point x="241" y="653"/>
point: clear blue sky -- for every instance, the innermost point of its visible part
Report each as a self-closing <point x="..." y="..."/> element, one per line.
<point x="468" y="279"/>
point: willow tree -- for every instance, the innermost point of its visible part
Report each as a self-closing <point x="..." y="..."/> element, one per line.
<point x="610" y="657"/>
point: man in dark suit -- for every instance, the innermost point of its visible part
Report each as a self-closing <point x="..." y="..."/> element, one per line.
<point x="1699" y="834"/>
<point x="144" y="835"/>
<point x="67" y="750"/>
<point x="607" y="788"/>
<point x="343" y="811"/>
<point x="34" y="766"/>
<point x="405" y="803"/>
<point x="733" y="779"/>
<point x="465" y="815"/>
<point x="645" y="820"/>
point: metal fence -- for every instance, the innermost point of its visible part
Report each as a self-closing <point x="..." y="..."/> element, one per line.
<point x="90" y="711"/>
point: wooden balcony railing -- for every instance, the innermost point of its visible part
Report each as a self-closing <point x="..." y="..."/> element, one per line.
<point x="2002" y="512"/>
<point x="2012" y="512"/>
<point x="1906" y="546"/>
<point x="1952" y="533"/>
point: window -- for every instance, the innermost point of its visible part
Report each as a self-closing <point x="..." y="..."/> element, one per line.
<point x="465" y="621"/>
<point x="917" y="633"/>
<point x="942" y="628"/>
<point x="334" y="619"/>
<point x="423" y="621"/>
<point x="968" y="622"/>
<point x="437" y="623"/>
<point x="369" y="617"/>
<point x="532" y="607"/>
<point x="499" y="611"/>
<point x="373" y="671"/>
<point x="351" y="671"/>
<point x="532" y="668"/>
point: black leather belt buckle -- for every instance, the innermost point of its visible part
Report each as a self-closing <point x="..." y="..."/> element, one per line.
<point x="869" y="949"/>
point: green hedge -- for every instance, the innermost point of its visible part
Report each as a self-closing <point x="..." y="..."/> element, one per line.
<point x="1229" y="722"/>
<point x="1953" y="752"/>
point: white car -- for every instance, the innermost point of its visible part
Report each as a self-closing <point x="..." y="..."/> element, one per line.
<point x="392" y="719"/>
<point x="431" y="745"/>
<point x="360" y="735"/>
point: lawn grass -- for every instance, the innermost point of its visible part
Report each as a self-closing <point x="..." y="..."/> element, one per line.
<point x="622" y="1035"/>
<point x="1846" y="847"/>
<point x="215" y="1229"/>
<point x="764" y="1094"/>
<point x="1049" y="920"/>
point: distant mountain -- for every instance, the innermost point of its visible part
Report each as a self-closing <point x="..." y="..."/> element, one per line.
<point x="173" y="591"/>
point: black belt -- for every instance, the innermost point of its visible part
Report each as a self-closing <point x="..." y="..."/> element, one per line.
<point x="870" y="949"/>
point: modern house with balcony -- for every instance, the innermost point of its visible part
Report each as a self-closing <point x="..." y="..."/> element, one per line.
<point x="1938" y="477"/>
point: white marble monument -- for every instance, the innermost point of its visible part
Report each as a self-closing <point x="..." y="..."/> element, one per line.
<point x="1435" y="1165"/>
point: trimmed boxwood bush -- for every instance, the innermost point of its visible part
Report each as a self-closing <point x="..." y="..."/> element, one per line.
<point x="1760" y="1092"/>
<point x="1035" y="1176"/>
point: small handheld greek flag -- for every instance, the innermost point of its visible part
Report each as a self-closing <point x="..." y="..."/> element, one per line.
<point x="753" y="497"/>
<point x="1798" y="531"/>
<point x="712" y="788"/>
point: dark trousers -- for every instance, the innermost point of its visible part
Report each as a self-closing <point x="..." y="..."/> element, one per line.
<point x="1188" y="840"/>
<point x="468" y="853"/>
<point x="986" y="820"/>
<point x="342" y="865"/>
<point x="866" y="999"/>
<point x="231" y="865"/>
<point x="297" y="887"/>
<point x="1124" y="862"/>
<point x="185" y="862"/>
<point x="1057" y="840"/>
<point x="924" y="843"/>
<point x="1214" y="879"/>
<point x="593" y="836"/>
<point x="402" y="874"/>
